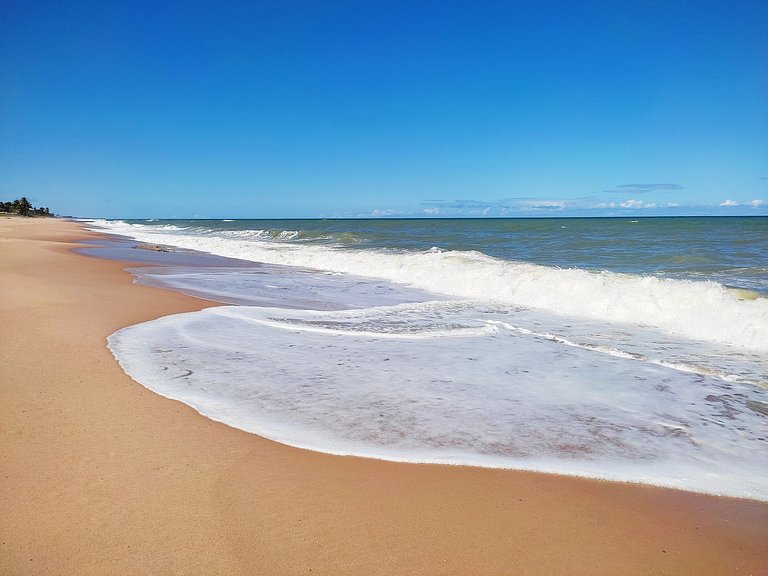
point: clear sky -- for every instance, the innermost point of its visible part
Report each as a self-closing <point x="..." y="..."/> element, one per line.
<point x="323" y="108"/>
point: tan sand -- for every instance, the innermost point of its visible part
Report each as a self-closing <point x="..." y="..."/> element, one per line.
<point x="101" y="476"/>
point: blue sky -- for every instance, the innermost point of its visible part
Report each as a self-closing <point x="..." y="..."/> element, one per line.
<point x="307" y="109"/>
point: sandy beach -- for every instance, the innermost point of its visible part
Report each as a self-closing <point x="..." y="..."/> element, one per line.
<point x="102" y="476"/>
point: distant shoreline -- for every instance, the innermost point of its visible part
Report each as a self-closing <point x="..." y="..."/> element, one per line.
<point x="425" y="218"/>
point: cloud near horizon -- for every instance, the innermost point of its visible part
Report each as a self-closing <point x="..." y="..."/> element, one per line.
<point x="631" y="204"/>
<point x="503" y="207"/>
<point x="642" y="188"/>
<point x="756" y="203"/>
<point x="533" y="207"/>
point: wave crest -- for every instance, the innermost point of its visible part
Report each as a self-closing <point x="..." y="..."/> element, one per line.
<point x="703" y="310"/>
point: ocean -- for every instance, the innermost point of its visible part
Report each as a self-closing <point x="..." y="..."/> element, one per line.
<point x="616" y="348"/>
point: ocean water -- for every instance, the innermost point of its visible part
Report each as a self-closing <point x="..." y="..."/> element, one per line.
<point x="624" y="349"/>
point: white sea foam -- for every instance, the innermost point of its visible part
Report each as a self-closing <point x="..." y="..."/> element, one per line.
<point x="458" y="383"/>
<point x="280" y="286"/>
<point x="518" y="366"/>
<point x="707" y="311"/>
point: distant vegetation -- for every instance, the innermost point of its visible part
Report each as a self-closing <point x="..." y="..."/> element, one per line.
<point x="23" y="207"/>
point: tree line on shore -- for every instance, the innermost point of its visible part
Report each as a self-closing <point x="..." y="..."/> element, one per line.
<point x="23" y="207"/>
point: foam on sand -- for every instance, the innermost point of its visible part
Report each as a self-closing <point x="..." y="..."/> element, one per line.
<point x="447" y="382"/>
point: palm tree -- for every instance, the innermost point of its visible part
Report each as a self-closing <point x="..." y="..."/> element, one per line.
<point x="25" y="206"/>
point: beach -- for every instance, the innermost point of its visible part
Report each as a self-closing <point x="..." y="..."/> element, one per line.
<point x="102" y="476"/>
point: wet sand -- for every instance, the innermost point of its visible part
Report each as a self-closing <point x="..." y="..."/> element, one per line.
<point x="101" y="476"/>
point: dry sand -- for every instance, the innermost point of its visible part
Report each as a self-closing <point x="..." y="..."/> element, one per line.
<point x="101" y="476"/>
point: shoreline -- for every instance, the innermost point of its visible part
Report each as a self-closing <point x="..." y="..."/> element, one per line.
<point x="104" y="476"/>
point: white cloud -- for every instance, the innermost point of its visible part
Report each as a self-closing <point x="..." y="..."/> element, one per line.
<point x="637" y="204"/>
<point x="756" y="203"/>
<point x="641" y="188"/>
<point x="543" y="205"/>
<point x="503" y="207"/>
<point x="554" y="206"/>
<point x="631" y="204"/>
